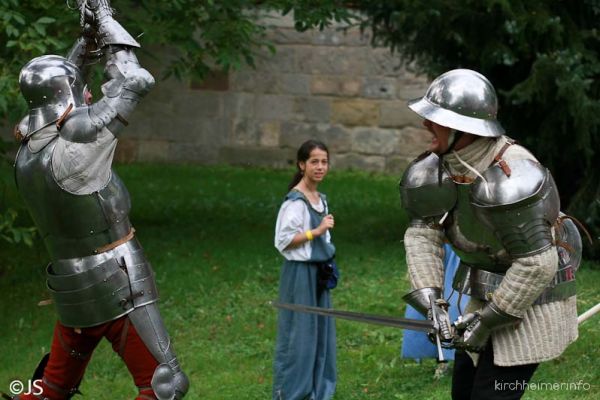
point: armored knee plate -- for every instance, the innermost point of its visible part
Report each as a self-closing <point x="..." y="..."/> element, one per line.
<point x="169" y="382"/>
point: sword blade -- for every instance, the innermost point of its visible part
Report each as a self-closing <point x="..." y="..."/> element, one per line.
<point x="396" y="322"/>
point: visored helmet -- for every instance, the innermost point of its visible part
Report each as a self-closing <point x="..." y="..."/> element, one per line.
<point x="50" y="84"/>
<point x="461" y="99"/>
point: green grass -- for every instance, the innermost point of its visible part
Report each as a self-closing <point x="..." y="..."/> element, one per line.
<point x="208" y="232"/>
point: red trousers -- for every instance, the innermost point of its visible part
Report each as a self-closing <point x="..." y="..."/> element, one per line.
<point x="72" y="349"/>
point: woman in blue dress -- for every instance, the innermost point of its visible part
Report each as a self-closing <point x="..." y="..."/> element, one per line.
<point x="304" y="366"/>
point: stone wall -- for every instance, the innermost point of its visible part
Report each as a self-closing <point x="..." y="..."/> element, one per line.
<point x="331" y="85"/>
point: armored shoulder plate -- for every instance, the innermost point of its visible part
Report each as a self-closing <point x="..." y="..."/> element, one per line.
<point x="422" y="194"/>
<point x="79" y="127"/>
<point x="521" y="208"/>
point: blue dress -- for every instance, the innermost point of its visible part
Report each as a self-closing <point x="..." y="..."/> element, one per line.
<point x="304" y="365"/>
<point x="416" y="344"/>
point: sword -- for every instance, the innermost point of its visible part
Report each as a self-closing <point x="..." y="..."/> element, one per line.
<point x="426" y="326"/>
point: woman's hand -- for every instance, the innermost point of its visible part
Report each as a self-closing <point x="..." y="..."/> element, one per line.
<point x="326" y="223"/>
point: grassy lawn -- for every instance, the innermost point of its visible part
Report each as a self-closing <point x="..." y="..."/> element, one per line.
<point x="208" y="232"/>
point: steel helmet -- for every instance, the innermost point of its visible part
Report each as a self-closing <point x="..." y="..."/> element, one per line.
<point x="49" y="85"/>
<point x="461" y="99"/>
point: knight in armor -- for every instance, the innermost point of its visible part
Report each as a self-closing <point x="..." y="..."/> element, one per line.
<point x="99" y="278"/>
<point x="500" y="210"/>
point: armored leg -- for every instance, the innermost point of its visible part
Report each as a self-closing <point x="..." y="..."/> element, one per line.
<point x="169" y="382"/>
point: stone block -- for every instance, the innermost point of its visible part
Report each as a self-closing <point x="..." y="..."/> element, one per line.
<point x="269" y="132"/>
<point x="239" y="105"/>
<point x="379" y="88"/>
<point x="331" y="60"/>
<point x="244" y="80"/>
<point x="394" y="114"/>
<point x="126" y="151"/>
<point x="210" y="131"/>
<point x="382" y="62"/>
<point x="274" y="107"/>
<point x="257" y="156"/>
<point x="328" y="37"/>
<point x="196" y="104"/>
<point x="312" y="109"/>
<point x="293" y="84"/>
<point x="282" y="61"/>
<point x="397" y="164"/>
<point x="289" y="36"/>
<point x="153" y="151"/>
<point x="351" y="86"/>
<point x="408" y="90"/>
<point x="357" y="162"/>
<point x="374" y="141"/>
<point x="191" y="152"/>
<point x="355" y="112"/>
<point x="413" y="141"/>
<point x="293" y="134"/>
<point x="215" y="81"/>
<point x="245" y="132"/>
<point x="335" y="85"/>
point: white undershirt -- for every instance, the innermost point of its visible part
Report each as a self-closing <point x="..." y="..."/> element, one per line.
<point x="294" y="218"/>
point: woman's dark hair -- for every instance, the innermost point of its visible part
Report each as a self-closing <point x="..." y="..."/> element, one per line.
<point x="303" y="155"/>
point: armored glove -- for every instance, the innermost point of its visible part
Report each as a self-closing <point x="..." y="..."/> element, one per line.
<point x="430" y="303"/>
<point x="474" y="329"/>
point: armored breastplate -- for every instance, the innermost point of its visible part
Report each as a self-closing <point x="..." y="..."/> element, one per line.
<point x="472" y="241"/>
<point x="70" y="225"/>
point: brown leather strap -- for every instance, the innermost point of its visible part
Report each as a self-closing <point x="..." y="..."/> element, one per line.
<point x="116" y="243"/>
<point x="18" y="134"/>
<point x="62" y="118"/>
<point x="578" y="223"/>
<point x="501" y="163"/>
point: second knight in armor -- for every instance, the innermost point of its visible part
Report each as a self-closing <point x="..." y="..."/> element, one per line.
<point x="99" y="278"/>
<point x="499" y="208"/>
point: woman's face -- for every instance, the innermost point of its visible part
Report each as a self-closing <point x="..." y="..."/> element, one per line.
<point x="317" y="165"/>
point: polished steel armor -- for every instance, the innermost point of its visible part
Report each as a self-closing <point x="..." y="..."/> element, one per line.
<point x="461" y="99"/>
<point x="420" y="299"/>
<point x="70" y="225"/>
<point x="49" y="85"/>
<point x="98" y="271"/>
<point x="494" y="220"/>
<point x="520" y="209"/>
<point x="423" y="194"/>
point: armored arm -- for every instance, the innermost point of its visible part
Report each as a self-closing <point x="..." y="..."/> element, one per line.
<point x="426" y="199"/>
<point x="127" y="81"/>
<point x="520" y="209"/>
